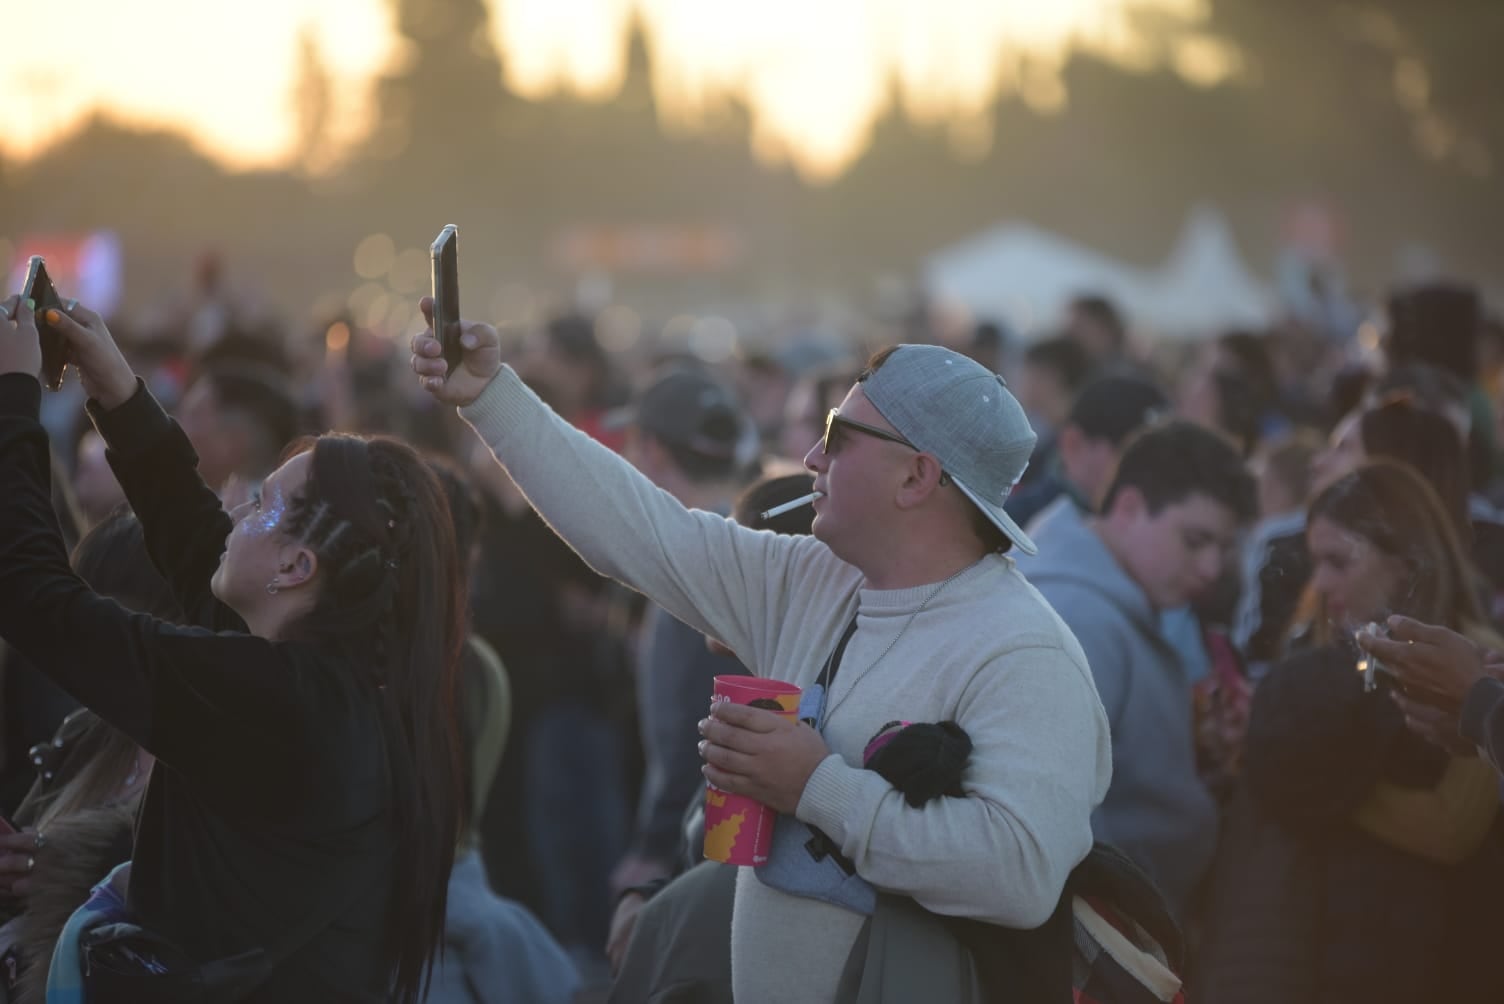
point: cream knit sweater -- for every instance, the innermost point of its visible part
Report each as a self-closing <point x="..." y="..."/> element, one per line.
<point x="987" y="652"/>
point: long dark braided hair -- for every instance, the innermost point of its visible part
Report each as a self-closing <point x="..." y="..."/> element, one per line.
<point x="393" y="598"/>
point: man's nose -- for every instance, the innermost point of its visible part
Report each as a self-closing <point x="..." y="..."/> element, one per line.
<point x="815" y="459"/>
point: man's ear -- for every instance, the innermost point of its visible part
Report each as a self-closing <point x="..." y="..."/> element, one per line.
<point x="1128" y="503"/>
<point x="922" y="478"/>
<point x="297" y="566"/>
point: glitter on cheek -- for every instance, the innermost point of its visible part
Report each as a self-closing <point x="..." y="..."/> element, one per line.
<point x="269" y="518"/>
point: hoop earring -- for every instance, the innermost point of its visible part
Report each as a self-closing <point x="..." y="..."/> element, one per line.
<point x="271" y="587"/>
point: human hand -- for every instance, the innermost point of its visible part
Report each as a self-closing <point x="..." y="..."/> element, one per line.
<point x="623" y="923"/>
<point x="760" y="754"/>
<point x="635" y="870"/>
<point x="1435" y="665"/>
<point x="479" y="361"/>
<point x="106" y="376"/>
<point x="1436" y="726"/>
<point x="20" y="345"/>
<point x="18" y="853"/>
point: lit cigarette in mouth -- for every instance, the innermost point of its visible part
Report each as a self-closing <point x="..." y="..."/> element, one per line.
<point x="779" y="510"/>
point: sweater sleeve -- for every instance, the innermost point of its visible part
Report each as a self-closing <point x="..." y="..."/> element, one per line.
<point x="184" y="524"/>
<point x="1483" y="719"/>
<point x="1002" y="853"/>
<point x="736" y="584"/>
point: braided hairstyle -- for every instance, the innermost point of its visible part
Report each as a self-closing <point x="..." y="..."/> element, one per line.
<point x="393" y="601"/>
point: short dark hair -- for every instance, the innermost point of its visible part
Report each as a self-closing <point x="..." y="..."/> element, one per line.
<point x="467" y="509"/>
<point x="1427" y="443"/>
<point x="769" y="492"/>
<point x="1431" y="387"/>
<point x="1112" y="408"/>
<point x="1170" y="462"/>
<point x="1437" y="323"/>
<point x="1062" y="356"/>
<point x="1103" y="311"/>
<point x="1246" y="385"/>
<point x="698" y="466"/>
<point x="264" y="398"/>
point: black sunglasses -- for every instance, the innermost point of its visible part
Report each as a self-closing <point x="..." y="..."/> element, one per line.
<point x="835" y="423"/>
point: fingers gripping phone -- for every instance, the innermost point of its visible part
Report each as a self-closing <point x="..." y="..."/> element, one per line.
<point x="446" y="293"/>
<point x="39" y="289"/>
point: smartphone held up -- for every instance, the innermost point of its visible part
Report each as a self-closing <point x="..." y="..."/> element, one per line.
<point x="39" y="289"/>
<point x="446" y="293"/>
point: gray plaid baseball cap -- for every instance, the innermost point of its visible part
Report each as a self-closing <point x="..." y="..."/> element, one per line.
<point x="955" y="408"/>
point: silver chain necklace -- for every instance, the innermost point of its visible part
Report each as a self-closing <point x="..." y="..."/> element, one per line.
<point x="830" y="667"/>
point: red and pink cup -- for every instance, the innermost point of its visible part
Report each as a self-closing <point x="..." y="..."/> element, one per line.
<point x="739" y="830"/>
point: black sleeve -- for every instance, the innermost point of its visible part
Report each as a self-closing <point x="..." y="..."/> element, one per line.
<point x="1483" y="719"/>
<point x="186" y="694"/>
<point x="184" y="524"/>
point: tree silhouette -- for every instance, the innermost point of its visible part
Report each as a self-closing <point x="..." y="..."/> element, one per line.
<point x="441" y="104"/>
<point x="312" y="104"/>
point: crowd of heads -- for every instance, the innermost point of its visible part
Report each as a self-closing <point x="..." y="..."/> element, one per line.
<point x="1176" y="453"/>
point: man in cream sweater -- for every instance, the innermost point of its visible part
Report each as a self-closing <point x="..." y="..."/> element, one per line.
<point x="908" y="544"/>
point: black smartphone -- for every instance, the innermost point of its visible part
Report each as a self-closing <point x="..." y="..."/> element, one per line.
<point x="446" y="293"/>
<point x="39" y="289"/>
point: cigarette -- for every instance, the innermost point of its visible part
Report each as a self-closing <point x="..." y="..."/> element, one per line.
<point x="779" y="510"/>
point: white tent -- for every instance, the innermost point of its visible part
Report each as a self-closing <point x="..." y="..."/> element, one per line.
<point x="1026" y="277"/>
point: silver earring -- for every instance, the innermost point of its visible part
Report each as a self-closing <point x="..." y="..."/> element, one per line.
<point x="271" y="586"/>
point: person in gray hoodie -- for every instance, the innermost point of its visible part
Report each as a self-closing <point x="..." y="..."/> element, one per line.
<point x="1169" y="518"/>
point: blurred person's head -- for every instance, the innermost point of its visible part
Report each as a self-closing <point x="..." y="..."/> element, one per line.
<point x="1095" y="323"/>
<point x="238" y="418"/>
<point x="1230" y="387"/>
<point x="1439" y="390"/>
<point x="1430" y="388"/>
<point x="1173" y="508"/>
<point x="256" y="345"/>
<point x="94" y="483"/>
<point x="685" y="431"/>
<point x="809" y="401"/>
<point x="1104" y="415"/>
<point x="988" y="345"/>
<point x="574" y="365"/>
<point x="763" y="384"/>
<point x="767" y="493"/>
<point x="1049" y="378"/>
<point x="1284" y="473"/>
<point x="467" y="510"/>
<point x="1398" y="430"/>
<point x="1491" y="349"/>
<point x="1437" y="324"/>
<point x="916" y="464"/>
<point x="770" y="492"/>
<point x="1381" y="544"/>
<point x="349" y="545"/>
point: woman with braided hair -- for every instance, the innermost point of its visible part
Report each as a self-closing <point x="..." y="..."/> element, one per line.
<point x="297" y="833"/>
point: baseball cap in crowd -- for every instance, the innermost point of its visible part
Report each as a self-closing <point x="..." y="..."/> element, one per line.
<point x="962" y="413"/>
<point x="1115" y="407"/>
<point x="687" y="410"/>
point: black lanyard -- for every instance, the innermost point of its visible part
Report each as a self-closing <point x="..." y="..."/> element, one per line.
<point x="828" y="674"/>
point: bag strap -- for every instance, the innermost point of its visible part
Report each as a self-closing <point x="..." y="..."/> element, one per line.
<point x="833" y="664"/>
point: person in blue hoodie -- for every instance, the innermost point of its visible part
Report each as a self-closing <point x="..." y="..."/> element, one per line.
<point x="1168" y="521"/>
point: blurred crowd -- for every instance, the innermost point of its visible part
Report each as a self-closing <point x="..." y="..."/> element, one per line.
<point x="1316" y="816"/>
